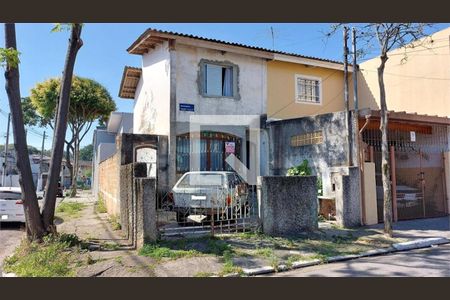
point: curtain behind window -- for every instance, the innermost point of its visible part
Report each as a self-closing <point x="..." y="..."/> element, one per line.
<point x="228" y="82"/>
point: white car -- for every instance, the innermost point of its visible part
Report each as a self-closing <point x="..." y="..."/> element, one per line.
<point x="11" y="205"/>
<point x="202" y="194"/>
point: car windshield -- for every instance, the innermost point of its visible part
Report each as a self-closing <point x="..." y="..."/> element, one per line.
<point x="7" y="195"/>
<point x="201" y="180"/>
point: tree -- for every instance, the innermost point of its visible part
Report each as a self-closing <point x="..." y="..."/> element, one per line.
<point x="386" y="37"/>
<point x="48" y="211"/>
<point x="9" y="55"/>
<point x="89" y="101"/>
<point x="86" y="153"/>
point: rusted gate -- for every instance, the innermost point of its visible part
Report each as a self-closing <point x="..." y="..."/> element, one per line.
<point x="233" y="209"/>
<point x="417" y="170"/>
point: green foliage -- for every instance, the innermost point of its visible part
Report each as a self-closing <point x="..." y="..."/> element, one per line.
<point x="86" y="153"/>
<point x="301" y="170"/>
<point x="9" y="57"/>
<point x="100" y="205"/>
<point x="89" y="100"/>
<point x="71" y="209"/>
<point x="159" y="252"/>
<point x="319" y="186"/>
<point x="51" y="258"/>
<point x="58" y="27"/>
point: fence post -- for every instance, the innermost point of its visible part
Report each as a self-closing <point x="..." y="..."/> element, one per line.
<point x="145" y="197"/>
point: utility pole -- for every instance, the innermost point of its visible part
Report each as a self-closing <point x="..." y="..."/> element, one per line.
<point x="355" y="135"/>
<point x="42" y="155"/>
<point x="5" y="160"/>
<point x="346" y="100"/>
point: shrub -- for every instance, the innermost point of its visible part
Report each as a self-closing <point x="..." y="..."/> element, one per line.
<point x="301" y="170"/>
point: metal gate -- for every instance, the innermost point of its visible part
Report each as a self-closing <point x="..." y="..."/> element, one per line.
<point x="417" y="170"/>
<point x="233" y="209"/>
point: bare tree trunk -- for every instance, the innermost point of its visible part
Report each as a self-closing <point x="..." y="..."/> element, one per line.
<point x="75" y="164"/>
<point x="48" y="211"/>
<point x="385" y="165"/>
<point x="35" y="228"/>
<point x="68" y="163"/>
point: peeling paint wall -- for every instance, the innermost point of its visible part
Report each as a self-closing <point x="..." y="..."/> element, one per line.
<point x="152" y="101"/>
<point x="332" y="152"/>
<point x="251" y="81"/>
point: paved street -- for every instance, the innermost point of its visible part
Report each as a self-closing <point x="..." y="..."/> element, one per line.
<point x="10" y="236"/>
<point x="429" y="262"/>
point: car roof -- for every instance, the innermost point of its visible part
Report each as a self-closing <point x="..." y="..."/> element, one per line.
<point x="11" y="189"/>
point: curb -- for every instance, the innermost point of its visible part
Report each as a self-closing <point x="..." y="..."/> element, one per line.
<point x="398" y="247"/>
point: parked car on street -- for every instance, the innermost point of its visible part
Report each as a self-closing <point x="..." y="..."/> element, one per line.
<point x="11" y="205"/>
<point x="209" y="194"/>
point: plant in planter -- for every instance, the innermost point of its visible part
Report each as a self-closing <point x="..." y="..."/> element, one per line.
<point x="305" y="170"/>
<point x="301" y="170"/>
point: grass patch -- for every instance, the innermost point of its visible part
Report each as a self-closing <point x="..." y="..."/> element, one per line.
<point x="100" y="205"/>
<point x="203" y="274"/>
<point x="110" y="246"/>
<point x="71" y="209"/>
<point x="159" y="252"/>
<point x="114" y="221"/>
<point x="54" y="257"/>
<point x="228" y="266"/>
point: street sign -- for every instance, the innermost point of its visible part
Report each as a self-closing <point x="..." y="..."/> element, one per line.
<point x="186" y="107"/>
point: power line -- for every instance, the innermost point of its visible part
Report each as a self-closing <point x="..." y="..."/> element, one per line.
<point x="408" y="76"/>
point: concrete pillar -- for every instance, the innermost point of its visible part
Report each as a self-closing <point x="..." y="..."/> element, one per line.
<point x="346" y="184"/>
<point x="145" y="197"/>
<point x="288" y="204"/>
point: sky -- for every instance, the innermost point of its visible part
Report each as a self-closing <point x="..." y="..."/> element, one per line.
<point x="103" y="55"/>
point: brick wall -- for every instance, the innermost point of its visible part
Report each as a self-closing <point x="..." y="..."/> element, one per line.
<point x="109" y="183"/>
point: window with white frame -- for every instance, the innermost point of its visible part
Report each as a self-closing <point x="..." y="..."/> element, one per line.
<point x="308" y="89"/>
<point x="218" y="79"/>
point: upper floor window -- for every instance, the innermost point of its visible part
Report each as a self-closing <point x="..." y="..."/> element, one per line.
<point x="308" y="89"/>
<point x="218" y="79"/>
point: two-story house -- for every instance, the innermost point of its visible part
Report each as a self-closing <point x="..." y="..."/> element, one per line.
<point x="185" y="81"/>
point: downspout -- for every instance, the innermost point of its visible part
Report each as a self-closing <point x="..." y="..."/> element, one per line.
<point x="361" y="166"/>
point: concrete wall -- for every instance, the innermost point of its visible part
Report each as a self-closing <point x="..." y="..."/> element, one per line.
<point x="419" y="84"/>
<point x="109" y="183"/>
<point x="332" y="152"/>
<point x="288" y="205"/>
<point x="370" y="194"/>
<point x="347" y="182"/>
<point x="281" y="88"/>
<point x="152" y="100"/>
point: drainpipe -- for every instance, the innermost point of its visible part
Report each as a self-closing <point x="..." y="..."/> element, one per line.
<point x="361" y="168"/>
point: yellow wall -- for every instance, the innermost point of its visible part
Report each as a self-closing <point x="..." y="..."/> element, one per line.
<point x="281" y="90"/>
<point x="421" y="84"/>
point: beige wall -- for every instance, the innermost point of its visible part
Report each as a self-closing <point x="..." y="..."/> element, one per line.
<point x="420" y="84"/>
<point x="281" y="90"/>
<point x="370" y="194"/>
<point x="109" y="184"/>
<point x="447" y="178"/>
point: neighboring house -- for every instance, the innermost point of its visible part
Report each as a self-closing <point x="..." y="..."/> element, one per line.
<point x="418" y="96"/>
<point x="417" y="79"/>
<point x="104" y="141"/>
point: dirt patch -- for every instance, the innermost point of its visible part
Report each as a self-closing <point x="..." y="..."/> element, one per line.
<point x="189" y="267"/>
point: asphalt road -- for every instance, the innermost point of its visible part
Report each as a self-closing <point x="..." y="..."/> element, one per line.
<point x="428" y="262"/>
<point x="10" y="237"/>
